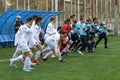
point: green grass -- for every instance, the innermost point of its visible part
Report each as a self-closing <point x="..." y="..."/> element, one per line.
<point x="104" y="64"/>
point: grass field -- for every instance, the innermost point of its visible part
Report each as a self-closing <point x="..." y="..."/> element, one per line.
<point x="104" y="64"/>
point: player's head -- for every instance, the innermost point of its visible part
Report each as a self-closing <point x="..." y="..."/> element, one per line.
<point x="63" y="33"/>
<point x="59" y="29"/>
<point x="101" y="25"/>
<point x="82" y="19"/>
<point x="35" y="17"/>
<point x="88" y="21"/>
<point x="95" y="19"/>
<point x="39" y="20"/>
<point x="53" y="19"/>
<point x="67" y="21"/>
<point x="29" y="21"/>
<point x="73" y="26"/>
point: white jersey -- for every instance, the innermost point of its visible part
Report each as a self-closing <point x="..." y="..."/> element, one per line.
<point x="34" y="40"/>
<point x="23" y="35"/>
<point x="51" y="30"/>
<point x="36" y="32"/>
<point x="18" y="36"/>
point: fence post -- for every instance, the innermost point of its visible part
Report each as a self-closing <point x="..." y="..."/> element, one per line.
<point x="116" y="18"/>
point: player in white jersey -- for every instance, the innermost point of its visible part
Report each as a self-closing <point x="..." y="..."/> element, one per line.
<point x="52" y="42"/>
<point x="25" y="31"/>
<point x="34" y="40"/>
<point x="17" y="38"/>
<point x="32" y="43"/>
<point x="50" y="30"/>
<point x="35" y="34"/>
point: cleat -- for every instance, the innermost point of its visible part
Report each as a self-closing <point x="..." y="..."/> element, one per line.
<point x="30" y="68"/>
<point x="26" y="69"/>
<point x="106" y="47"/>
<point x="80" y="52"/>
<point x="62" y="60"/>
<point x="36" y="61"/>
<point x="12" y="64"/>
<point x="44" y="59"/>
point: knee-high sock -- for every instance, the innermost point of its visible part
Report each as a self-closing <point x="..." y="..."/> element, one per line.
<point x="16" y="53"/>
<point x="64" y="50"/>
<point x="67" y="47"/>
<point x="19" y="58"/>
<point x="27" y="62"/>
<point x="46" y="49"/>
<point x="31" y="54"/>
<point x="48" y="54"/>
<point x="38" y="53"/>
<point x="58" y="54"/>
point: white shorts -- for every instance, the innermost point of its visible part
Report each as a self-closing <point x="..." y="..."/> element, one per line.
<point x="24" y="48"/>
<point x="51" y="43"/>
<point x="32" y="44"/>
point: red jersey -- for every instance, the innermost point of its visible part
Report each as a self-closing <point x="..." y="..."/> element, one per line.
<point x="66" y="28"/>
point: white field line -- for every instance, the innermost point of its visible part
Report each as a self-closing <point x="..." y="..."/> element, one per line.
<point x="3" y="60"/>
<point x="73" y="55"/>
<point x="92" y="55"/>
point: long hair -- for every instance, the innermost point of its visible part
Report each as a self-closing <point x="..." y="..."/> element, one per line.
<point x="39" y="18"/>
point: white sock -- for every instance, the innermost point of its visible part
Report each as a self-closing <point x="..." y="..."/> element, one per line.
<point x="48" y="54"/>
<point x="58" y="54"/>
<point x="62" y="51"/>
<point x="16" y="53"/>
<point x="38" y="53"/>
<point x="30" y="62"/>
<point x="19" y="58"/>
<point x="46" y="49"/>
<point x="27" y="62"/>
<point x="67" y="47"/>
<point x="31" y="54"/>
